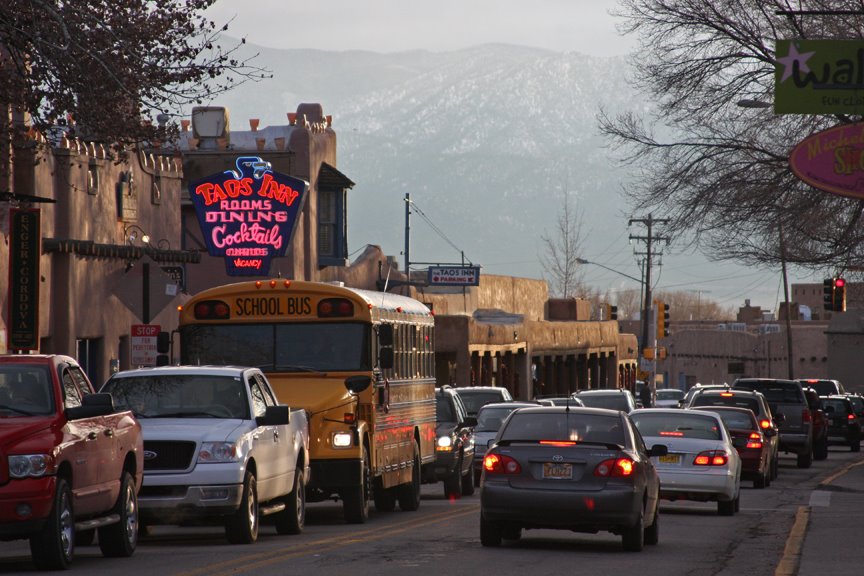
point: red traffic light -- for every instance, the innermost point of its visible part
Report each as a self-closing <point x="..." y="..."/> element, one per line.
<point x="840" y="282"/>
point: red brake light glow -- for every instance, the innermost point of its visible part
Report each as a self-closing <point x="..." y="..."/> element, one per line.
<point x="212" y="310"/>
<point x="501" y="464"/>
<point x="711" y="458"/>
<point x="727" y="394"/>
<point x="615" y="468"/>
<point x="671" y="433"/>
<point x="764" y="424"/>
<point x="557" y="443"/>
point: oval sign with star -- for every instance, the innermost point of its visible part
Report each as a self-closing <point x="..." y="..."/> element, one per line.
<point x="832" y="160"/>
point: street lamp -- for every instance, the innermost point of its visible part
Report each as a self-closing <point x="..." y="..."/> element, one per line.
<point x="583" y="261"/>
<point x="133" y="233"/>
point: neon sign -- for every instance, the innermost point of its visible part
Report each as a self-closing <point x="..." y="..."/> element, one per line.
<point x="248" y="215"/>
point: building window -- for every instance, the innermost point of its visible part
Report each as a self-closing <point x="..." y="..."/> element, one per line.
<point x="332" y="228"/>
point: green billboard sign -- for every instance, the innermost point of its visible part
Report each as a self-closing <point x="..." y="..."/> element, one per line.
<point x="819" y="77"/>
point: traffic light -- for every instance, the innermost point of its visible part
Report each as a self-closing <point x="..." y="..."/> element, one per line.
<point x="613" y="312"/>
<point x="839" y="300"/>
<point x="662" y="319"/>
<point x="828" y="294"/>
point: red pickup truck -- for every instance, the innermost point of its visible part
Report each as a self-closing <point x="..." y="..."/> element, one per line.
<point x="69" y="463"/>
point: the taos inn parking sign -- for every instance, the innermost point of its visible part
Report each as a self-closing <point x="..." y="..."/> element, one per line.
<point x="454" y="276"/>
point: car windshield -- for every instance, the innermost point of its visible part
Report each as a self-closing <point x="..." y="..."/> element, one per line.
<point x="180" y="396"/>
<point x="444" y="409"/>
<point x="823" y="387"/>
<point x="476" y="399"/>
<point x="563" y="427"/>
<point x="25" y="390"/>
<point x="836" y="406"/>
<point x="726" y="399"/>
<point x="669" y="394"/>
<point x="682" y="425"/>
<point x="490" y="419"/>
<point x="737" y="420"/>
<point x="775" y="393"/>
<point x="610" y="401"/>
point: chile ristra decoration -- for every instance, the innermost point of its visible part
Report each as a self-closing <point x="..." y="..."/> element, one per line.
<point x="248" y="215"/>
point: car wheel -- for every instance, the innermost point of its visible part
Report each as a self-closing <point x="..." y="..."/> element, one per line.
<point x="385" y="498"/>
<point x="409" y="494"/>
<point x="761" y="481"/>
<point x="633" y="538"/>
<point x="468" y="482"/>
<point x="355" y="501"/>
<point x="856" y="445"/>
<point x="805" y="460"/>
<point x="652" y="532"/>
<point x="511" y="532"/>
<point x="242" y="527"/>
<point x="820" y="450"/>
<point x="53" y="547"/>
<point x="490" y="532"/>
<point x="293" y="518"/>
<point x="726" y="508"/>
<point x="119" y="540"/>
<point x="453" y="482"/>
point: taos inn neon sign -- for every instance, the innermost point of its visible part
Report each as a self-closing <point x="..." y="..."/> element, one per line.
<point x="248" y="215"/>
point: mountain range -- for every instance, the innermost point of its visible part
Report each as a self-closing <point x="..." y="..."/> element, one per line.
<point x="486" y="141"/>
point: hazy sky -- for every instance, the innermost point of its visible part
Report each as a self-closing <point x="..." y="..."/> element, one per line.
<point x="439" y="25"/>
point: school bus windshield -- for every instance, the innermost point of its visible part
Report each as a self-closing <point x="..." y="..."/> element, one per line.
<point x="302" y="347"/>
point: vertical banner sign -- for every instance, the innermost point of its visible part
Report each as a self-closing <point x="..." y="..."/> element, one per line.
<point x="25" y="238"/>
<point x="248" y="215"/>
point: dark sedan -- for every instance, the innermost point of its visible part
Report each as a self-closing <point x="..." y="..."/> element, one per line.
<point x="750" y="442"/>
<point x="843" y="425"/>
<point x="579" y="469"/>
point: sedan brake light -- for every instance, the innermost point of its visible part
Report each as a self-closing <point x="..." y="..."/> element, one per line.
<point x="805" y="415"/>
<point x="711" y="458"/>
<point x="501" y="464"/>
<point x="754" y="441"/>
<point x="764" y="424"/>
<point x="615" y="468"/>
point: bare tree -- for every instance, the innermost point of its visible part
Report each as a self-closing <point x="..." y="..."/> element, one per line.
<point x="717" y="170"/>
<point x="108" y="64"/>
<point x="562" y="252"/>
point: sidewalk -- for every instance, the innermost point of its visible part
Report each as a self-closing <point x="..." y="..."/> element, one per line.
<point x="826" y="537"/>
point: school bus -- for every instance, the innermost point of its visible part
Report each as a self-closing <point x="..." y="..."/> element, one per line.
<point x="361" y="363"/>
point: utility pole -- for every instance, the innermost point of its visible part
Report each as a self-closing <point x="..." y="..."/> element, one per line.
<point x="649" y="241"/>
<point x="407" y="236"/>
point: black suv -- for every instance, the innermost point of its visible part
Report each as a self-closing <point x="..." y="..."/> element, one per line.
<point x="843" y="425"/>
<point x="454" y="445"/>
<point x="787" y="401"/>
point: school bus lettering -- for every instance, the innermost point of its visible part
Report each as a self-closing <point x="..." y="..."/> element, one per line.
<point x="273" y="306"/>
<point x="299" y="306"/>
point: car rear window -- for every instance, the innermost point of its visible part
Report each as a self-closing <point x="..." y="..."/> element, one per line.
<point x="737" y="420"/>
<point x="776" y="392"/>
<point x="734" y="400"/>
<point x="608" y="401"/>
<point x="677" y="426"/>
<point x="490" y="419"/>
<point x="563" y="427"/>
<point x="836" y="406"/>
<point x="475" y="400"/>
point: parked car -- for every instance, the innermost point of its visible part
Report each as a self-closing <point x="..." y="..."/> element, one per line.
<point x="219" y="448"/>
<point x="72" y="463"/>
<point x="454" y="445"/>
<point x="823" y="386"/>
<point x="610" y="398"/>
<point x="474" y="397"/>
<point x="756" y="403"/>
<point x="579" y="469"/>
<point x="844" y="428"/>
<point x="489" y="420"/>
<point x="668" y="398"/>
<point x="702" y="463"/>
<point x="757" y="462"/>
<point x="820" y="424"/>
<point x="857" y="404"/>
<point x="787" y="401"/>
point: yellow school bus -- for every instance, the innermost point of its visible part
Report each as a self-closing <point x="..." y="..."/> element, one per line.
<point x="360" y="362"/>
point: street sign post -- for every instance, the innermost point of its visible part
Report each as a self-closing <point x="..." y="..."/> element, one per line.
<point x="454" y="276"/>
<point x="143" y="344"/>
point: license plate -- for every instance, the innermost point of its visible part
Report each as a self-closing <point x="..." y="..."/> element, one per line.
<point x="557" y="471"/>
<point x="670" y="459"/>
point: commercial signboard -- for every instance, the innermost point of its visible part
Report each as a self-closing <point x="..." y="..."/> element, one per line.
<point x="143" y="344"/>
<point x="454" y="276"/>
<point x="25" y="237"/>
<point x="832" y="160"/>
<point x="248" y="215"/>
<point x="819" y="77"/>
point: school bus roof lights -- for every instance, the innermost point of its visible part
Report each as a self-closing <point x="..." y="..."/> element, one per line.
<point x="335" y="308"/>
<point x="212" y="310"/>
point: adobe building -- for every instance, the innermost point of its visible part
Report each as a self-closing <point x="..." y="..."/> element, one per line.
<point x="108" y="247"/>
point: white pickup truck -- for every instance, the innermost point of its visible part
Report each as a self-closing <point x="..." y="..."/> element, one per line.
<point x="218" y="448"/>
